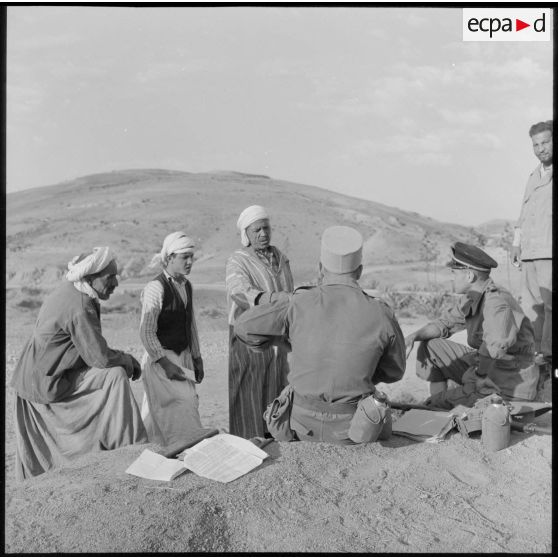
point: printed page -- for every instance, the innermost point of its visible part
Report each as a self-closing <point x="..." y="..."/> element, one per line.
<point x="243" y="444"/>
<point x="223" y="458"/>
<point x="151" y="465"/>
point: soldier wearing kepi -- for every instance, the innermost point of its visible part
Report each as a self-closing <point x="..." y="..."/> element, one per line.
<point x="501" y="359"/>
<point x="343" y="341"/>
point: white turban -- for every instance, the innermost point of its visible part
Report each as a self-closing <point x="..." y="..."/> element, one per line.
<point x="81" y="266"/>
<point x="176" y="243"/>
<point x="247" y="217"/>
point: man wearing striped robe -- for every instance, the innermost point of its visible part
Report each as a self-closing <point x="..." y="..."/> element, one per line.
<point x="257" y="273"/>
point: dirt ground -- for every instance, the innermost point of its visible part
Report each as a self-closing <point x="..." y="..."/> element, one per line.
<point x="397" y="496"/>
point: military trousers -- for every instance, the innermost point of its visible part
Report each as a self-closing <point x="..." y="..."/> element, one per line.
<point x="318" y="421"/>
<point x="536" y="301"/>
<point x="515" y="376"/>
<point x="439" y="360"/>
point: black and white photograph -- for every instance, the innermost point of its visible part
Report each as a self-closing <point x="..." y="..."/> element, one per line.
<point x="278" y="279"/>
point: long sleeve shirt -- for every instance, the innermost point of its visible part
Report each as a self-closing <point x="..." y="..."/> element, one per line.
<point x="152" y="303"/>
<point x="249" y="276"/>
<point x="67" y="340"/>
<point x="535" y="220"/>
<point x="343" y="341"/>
<point x="495" y="323"/>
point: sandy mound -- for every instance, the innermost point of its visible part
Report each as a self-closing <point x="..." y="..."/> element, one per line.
<point x="397" y="496"/>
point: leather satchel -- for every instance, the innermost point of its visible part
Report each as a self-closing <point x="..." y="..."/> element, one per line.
<point x="277" y="416"/>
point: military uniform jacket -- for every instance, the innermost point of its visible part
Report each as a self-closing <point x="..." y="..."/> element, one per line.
<point x="495" y="323"/>
<point x="535" y="220"/>
<point x="343" y="341"/>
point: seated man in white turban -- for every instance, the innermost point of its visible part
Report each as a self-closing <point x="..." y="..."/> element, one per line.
<point x="256" y="274"/>
<point x="172" y="363"/>
<point x="73" y="393"/>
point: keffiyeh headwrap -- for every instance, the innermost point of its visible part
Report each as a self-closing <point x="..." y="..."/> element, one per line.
<point x="176" y="243"/>
<point x="83" y="265"/>
<point x="247" y="217"/>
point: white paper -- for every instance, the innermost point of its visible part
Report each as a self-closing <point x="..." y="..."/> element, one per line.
<point x="190" y="374"/>
<point x="151" y="465"/>
<point x="224" y="457"/>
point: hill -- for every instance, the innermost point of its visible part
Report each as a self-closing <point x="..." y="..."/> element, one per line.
<point x="133" y="210"/>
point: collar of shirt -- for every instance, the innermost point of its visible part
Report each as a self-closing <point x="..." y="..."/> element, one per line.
<point x="473" y="299"/>
<point x="265" y="252"/>
<point x="545" y="170"/>
<point x="268" y="256"/>
<point x="341" y="280"/>
<point x="180" y="279"/>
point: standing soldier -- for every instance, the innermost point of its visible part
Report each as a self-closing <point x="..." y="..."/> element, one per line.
<point x="532" y="244"/>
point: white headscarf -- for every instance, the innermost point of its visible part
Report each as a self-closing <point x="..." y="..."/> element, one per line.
<point x="176" y="243"/>
<point x="247" y="217"/>
<point x="82" y="265"/>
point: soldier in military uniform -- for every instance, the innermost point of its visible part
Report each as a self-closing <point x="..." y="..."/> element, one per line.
<point x="501" y="359"/>
<point x="343" y="341"/>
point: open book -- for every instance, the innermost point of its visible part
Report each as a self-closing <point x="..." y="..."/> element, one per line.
<point x="151" y="465"/>
<point x="223" y="458"/>
<point x="424" y="426"/>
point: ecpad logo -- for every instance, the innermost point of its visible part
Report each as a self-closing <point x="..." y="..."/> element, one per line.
<point x="521" y="24"/>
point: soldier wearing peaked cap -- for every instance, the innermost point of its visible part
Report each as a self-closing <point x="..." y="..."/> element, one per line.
<point x="500" y="356"/>
<point x="343" y="341"/>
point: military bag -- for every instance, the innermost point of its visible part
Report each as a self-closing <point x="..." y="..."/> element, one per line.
<point x="277" y="416"/>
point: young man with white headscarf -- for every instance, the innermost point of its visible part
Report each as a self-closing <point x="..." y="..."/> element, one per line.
<point x="73" y="394"/>
<point x="172" y="362"/>
<point x="256" y="274"/>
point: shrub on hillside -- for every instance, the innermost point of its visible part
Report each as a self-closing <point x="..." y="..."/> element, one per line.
<point x="396" y="300"/>
<point x="29" y="303"/>
<point x="406" y="304"/>
<point x="432" y="304"/>
<point x="31" y="291"/>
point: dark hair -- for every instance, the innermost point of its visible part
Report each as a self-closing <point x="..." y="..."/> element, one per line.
<point x="541" y="127"/>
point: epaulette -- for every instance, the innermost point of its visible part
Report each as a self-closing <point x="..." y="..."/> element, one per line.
<point x="384" y="302"/>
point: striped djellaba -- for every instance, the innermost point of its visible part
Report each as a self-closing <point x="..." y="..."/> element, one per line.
<point x="255" y="378"/>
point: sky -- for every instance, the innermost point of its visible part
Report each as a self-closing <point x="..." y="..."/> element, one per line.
<point x="386" y="104"/>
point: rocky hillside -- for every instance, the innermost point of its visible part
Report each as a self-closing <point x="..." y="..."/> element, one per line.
<point x="133" y="211"/>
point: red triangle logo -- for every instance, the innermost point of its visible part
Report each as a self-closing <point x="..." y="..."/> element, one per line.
<point x="519" y="25"/>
